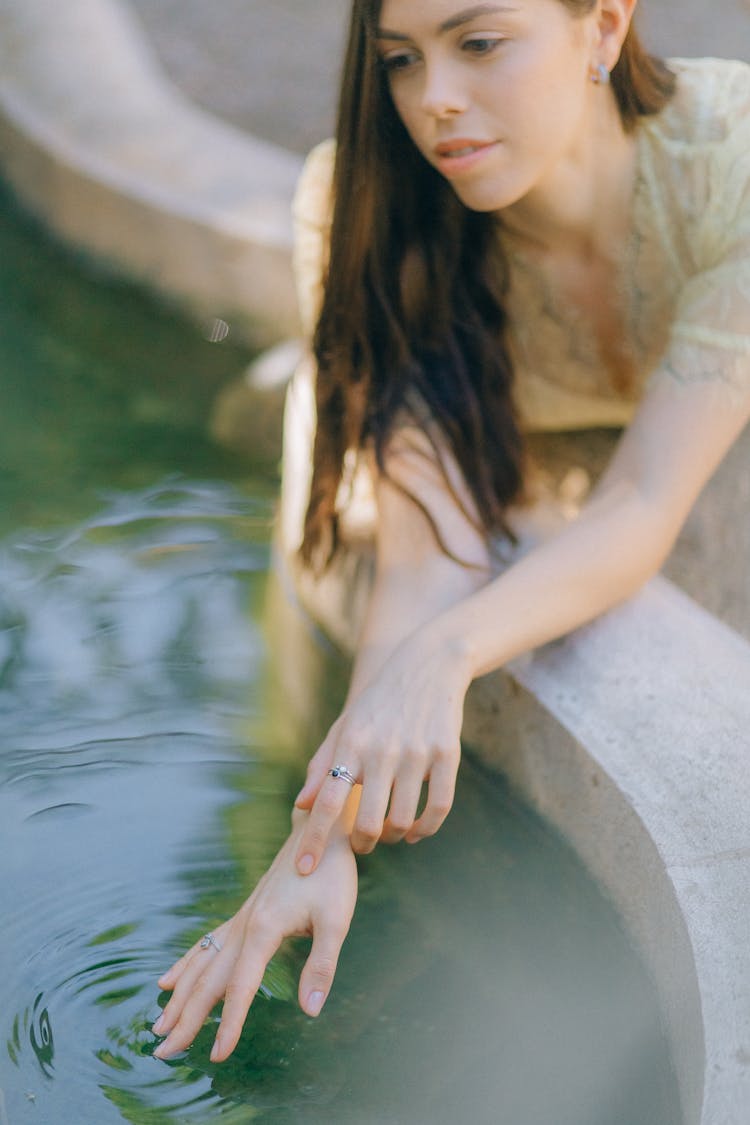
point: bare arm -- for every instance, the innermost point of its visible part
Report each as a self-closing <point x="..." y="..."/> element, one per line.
<point x="403" y="722"/>
<point x="621" y="537"/>
<point x="415" y="581"/>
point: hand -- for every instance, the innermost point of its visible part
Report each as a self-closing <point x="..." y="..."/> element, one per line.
<point x="282" y="905"/>
<point x="404" y="728"/>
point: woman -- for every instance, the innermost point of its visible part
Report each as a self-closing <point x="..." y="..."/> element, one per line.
<point x="527" y="223"/>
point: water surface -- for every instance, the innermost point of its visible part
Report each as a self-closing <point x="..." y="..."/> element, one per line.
<point x="156" y="712"/>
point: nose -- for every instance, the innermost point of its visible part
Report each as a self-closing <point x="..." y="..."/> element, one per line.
<point x="442" y="94"/>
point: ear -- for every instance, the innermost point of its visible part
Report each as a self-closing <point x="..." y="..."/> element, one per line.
<point x="615" y="17"/>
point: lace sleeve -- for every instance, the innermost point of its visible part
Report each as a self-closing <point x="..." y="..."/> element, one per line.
<point x="312" y="224"/>
<point x="710" y="338"/>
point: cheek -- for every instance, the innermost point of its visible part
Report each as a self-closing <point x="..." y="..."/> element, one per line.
<point x="407" y="109"/>
<point x="542" y="106"/>
<point x="543" y="72"/>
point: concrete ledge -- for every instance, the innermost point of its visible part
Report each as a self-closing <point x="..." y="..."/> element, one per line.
<point x="632" y="737"/>
<point x="99" y="145"/>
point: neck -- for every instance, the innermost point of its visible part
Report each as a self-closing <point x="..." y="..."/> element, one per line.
<point x="582" y="206"/>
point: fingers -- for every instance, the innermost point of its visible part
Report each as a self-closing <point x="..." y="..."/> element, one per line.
<point x="439" y="800"/>
<point x="234" y="974"/>
<point x="240" y="993"/>
<point x="199" y="989"/>
<point x="373" y="805"/>
<point x="328" y="807"/>
<point x="320" y="968"/>
<point x="168" y="980"/>
<point x="231" y="962"/>
<point x="370" y="825"/>
<point x="404" y="804"/>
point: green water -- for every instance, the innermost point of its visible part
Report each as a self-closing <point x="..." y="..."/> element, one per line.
<point x="155" y="717"/>
<point x="99" y="389"/>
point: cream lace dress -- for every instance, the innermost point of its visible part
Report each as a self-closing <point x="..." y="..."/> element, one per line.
<point x="683" y="289"/>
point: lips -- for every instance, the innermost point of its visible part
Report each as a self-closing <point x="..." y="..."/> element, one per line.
<point x="461" y="155"/>
<point x="462" y="146"/>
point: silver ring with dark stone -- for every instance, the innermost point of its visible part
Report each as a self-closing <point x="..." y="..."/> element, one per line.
<point x="343" y="773"/>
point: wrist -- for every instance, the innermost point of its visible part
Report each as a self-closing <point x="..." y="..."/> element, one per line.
<point x="448" y="636"/>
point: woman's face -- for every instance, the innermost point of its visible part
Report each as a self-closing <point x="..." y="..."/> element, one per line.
<point x="496" y="96"/>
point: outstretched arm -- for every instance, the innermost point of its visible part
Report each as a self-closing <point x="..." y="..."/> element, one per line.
<point x="622" y="535"/>
<point x="404" y="724"/>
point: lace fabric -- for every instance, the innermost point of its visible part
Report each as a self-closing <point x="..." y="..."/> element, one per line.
<point x="698" y="152"/>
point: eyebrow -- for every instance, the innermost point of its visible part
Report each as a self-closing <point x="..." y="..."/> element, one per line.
<point x="460" y="18"/>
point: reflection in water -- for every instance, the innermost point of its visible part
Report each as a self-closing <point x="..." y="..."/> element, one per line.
<point x="149" y="760"/>
<point x="140" y="603"/>
<point x="127" y="654"/>
<point x="42" y="1043"/>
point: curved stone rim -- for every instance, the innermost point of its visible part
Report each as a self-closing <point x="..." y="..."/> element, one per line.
<point x="632" y="737"/>
<point x="117" y="162"/>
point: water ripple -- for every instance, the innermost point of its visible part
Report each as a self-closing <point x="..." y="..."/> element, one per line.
<point x="127" y="665"/>
<point x="144" y="603"/>
<point x="137" y="805"/>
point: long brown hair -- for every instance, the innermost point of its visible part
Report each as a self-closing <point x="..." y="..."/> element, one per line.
<point x="413" y="320"/>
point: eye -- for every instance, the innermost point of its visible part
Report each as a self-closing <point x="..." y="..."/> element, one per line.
<point x="479" y="45"/>
<point x="398" y="60"/>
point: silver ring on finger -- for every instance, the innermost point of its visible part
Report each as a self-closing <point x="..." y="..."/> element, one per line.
<point x="209" y="940"/>
<point x="343" y="773"/>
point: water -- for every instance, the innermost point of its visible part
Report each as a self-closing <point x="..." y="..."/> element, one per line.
<point x="155" y="716"/>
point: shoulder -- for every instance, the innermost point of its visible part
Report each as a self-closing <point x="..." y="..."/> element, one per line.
<point x="314" y="195"/>
<point x="704" y="131"/>
<point x="700" y="202"/>
<point x="696" y="156"/>
<point x="711" y="102"/>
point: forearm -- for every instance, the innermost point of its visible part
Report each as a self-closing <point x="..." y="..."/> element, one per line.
<point x="403" y="600"/>
<point x="591" y="565"/>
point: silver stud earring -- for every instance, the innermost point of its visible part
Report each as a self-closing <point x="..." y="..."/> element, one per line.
<point x="600" y="76"/>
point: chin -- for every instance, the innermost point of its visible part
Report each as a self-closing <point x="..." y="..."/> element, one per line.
<point x="490" y="192"/>
<point x="484" y="198"/>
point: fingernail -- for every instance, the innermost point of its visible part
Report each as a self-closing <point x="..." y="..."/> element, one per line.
<point x="315" y="1003"/>
<point x="157" y="1024"/>
<point x="306" y="864"/>
<point x="216" y="1049"/>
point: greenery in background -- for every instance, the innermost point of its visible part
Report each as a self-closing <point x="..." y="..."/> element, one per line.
<point x="100" y="386"/>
